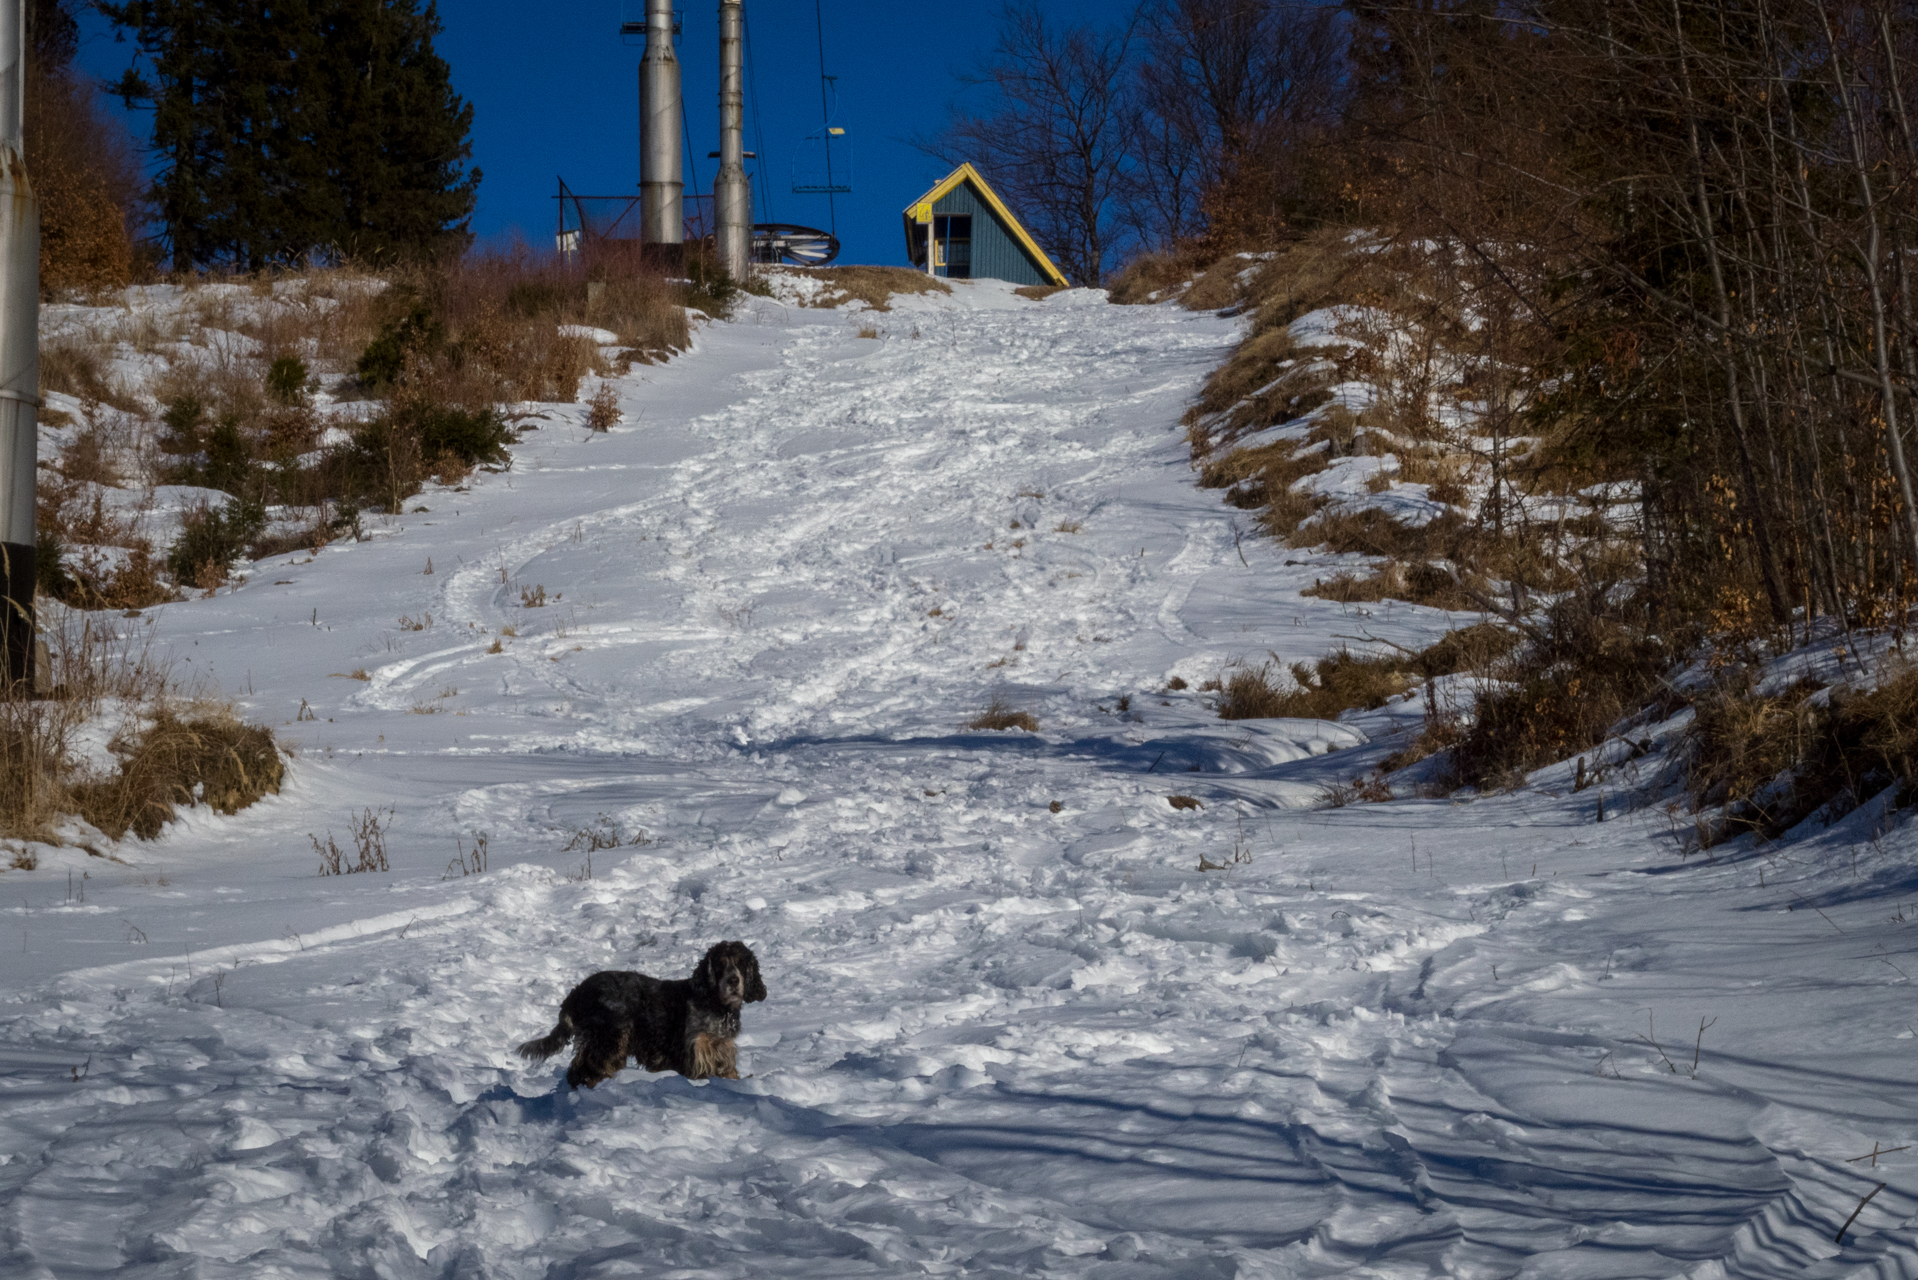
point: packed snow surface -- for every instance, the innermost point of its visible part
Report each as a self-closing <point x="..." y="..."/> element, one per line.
<point x="1014" y="1027"/>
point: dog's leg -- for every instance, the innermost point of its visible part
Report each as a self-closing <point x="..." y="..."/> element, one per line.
<point x="712" y="1056"/>
<point x="600" y="1057"/>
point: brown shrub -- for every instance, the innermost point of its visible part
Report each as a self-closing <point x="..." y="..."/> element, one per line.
<point x="1739" y="744"/>
<point x="874" y="286"/>
<point x="1473" y="648"/>
<point x="1339" y="682"/>
<point x="493" y="324"/>
<point x="1560" y="695"/>
<point x="86" y="460"/>
<point x="1773" y="761"/>
<point x="86" y="176"/>
<point x="76" y="366"/>
<point x="131" y="581"/>
<point x="1219" y="285"/>
<point x="211" y="758"/>
<point x="1000" y="714"/>
<point x="604" y="412"/>
<point x="1426" y="584"/>
<point x="1148" y="277"/>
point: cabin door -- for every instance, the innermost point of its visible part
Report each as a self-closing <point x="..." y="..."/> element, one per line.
<point x="952" y="245"/>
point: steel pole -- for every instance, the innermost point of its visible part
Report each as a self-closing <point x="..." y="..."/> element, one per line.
<point x="732" y="193"/>
<point x="662" y="174"/>
<point x="19" y="352"/>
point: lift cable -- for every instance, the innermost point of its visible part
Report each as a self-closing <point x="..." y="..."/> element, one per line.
<point x="825" y="106"/>
<point x="691" y="176"/>
<point x="759" y="132"/>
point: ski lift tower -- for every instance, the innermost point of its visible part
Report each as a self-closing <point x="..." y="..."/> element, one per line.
<point x="732" y="190"/>
<point x="662" y="178"/>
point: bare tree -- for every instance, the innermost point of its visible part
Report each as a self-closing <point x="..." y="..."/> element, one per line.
<point x="1232" y="94"/>
<point x="1055" y="133"/>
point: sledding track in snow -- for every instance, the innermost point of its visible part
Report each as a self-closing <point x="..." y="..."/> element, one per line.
<point x="1002" y="1040"/>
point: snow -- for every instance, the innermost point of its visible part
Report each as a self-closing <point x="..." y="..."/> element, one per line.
<point x="1388" y="1040"/>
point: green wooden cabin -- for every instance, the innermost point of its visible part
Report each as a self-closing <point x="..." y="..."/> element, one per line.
<point x="973" y="235"/>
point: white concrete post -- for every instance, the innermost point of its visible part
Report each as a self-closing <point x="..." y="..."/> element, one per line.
<point x="19" y="353"/>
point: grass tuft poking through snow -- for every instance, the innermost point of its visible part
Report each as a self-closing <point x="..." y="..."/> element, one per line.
<point x="1001" y="714"/>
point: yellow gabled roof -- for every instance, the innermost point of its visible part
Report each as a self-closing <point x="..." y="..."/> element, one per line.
<point x="920" y="210"/>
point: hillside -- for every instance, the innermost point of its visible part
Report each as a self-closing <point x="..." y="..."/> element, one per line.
<point x="1120" y="995"/>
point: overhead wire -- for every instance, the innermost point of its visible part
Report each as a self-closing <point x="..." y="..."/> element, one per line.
<point x="759" y="131"/>
<point x="825" y="108"/>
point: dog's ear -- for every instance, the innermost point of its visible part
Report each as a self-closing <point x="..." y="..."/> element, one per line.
<point x="755" y="988"/>
<point x="702" y="979"/>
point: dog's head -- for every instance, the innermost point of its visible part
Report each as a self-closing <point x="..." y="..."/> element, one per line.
<point x="729" y="975"/>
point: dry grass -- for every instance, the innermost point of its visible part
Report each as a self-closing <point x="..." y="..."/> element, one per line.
<point x="1336" y="683"/>
<point x="1427" y="584"/>
<point x="1039" y="292"/>
<point x="1220" y="285"/>
<point x="368" y="831"/>
<point x="208" y="757"/>
<point x="1150" y="277"/>
<point x="76" y="365"/>
<point x="1771" y="761"/>
<point x="1581" y="674"/>
<point x="170" y="751"/>
<point x="1001" y="714"/>
<point x="874" y="286"/>
<point x="1344" y="681"/>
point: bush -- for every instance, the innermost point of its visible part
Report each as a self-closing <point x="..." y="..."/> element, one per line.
<point x="416" y="331"/>
<point x="211" y="758"/>
<point x="467" y="436"/>
<point x="1772" y="761"/>
<point x="286" y="381"/>
<point x="1561" y="694"/>
<point x="50" y="576"/>
<point x="1339" y="682"/>
<point x="211" y="539"/>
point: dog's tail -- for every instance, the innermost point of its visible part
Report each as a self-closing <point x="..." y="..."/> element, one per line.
<point x="552" y="1042"/>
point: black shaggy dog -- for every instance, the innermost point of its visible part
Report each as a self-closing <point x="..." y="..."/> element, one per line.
<point x="687" y="1025"/>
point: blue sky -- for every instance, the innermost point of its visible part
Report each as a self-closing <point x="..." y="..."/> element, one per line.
<point x="555" y="95"/>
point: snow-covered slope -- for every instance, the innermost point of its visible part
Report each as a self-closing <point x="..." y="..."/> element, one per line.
<point x="1014" y="1028"/>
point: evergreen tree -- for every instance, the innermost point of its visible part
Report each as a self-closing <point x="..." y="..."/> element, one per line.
<point x="401" y="136"/>
<point x="298" y="127"/>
